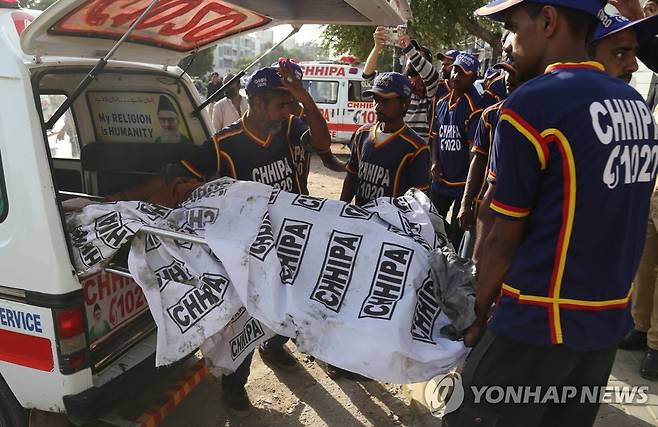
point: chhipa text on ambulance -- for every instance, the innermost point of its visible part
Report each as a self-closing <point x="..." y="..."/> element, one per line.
<point x="368" y="288"/>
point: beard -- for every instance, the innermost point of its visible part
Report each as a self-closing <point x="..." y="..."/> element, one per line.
<point x="170" y="137"/>
<point x="275" y="127"/>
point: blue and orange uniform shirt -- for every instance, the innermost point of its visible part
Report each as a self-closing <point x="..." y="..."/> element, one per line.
<point x="495" y="91"/>
<point x="442" y="89"/>
<point x="237" y="152"/>
<point x="301" y="152"/>
<point x="453" y="128"/>
<point x="484" y="138"/>
<point x="580" y="173"/>
<point x="388" y="167"/>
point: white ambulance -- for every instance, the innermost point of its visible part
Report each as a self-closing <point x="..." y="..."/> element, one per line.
<point x="72" y="343"/>
<point x="337" y="89"/>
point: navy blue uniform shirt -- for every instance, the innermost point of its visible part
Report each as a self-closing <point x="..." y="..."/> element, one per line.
<point x="454" y="125"/>
<point x="577" y="154"/>
<point x="389" y="167"/>
<point x="237" y="152"/>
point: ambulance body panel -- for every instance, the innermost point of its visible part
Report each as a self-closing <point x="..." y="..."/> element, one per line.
<point x="338" y="92"/>
<point x="69" y="341"/>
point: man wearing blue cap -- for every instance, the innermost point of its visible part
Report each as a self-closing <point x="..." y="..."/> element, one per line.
<point x="494" y="81"/>
<point x="648" y="51"/>
<point x="259" y="147"/>
<point x="454" y="124"/>
<point x="562" y="290"/>
<point x="388" y="158"/>
<point x="447" y="61"/>
<point x="477" y="186"/>
<point x="616" y="46"/>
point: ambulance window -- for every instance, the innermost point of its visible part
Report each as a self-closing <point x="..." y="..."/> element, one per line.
<point x="322" y="91"/>
<point x="63" y="137"/>
<point x="3" y="195"/>
<point x="355" y="90"/>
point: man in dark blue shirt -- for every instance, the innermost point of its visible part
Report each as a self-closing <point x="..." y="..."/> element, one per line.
<point x="561" y="270"/>
<point x="388" y="158"/>
<point x="616" y="47"/>
<point x="455" y="121"/>
<point x="259" y="147"/>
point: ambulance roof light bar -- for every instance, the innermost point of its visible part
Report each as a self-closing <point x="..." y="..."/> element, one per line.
<point x="13" y="4"/>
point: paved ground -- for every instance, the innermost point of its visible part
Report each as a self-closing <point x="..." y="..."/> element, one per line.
<point x="309" y="398"/>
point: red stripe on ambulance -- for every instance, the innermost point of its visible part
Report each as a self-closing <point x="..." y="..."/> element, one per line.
<point x="26" y="350"/>
<point x="341" y="127"/>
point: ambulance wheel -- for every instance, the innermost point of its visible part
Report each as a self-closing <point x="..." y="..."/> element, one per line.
<point x="12" y="413"/>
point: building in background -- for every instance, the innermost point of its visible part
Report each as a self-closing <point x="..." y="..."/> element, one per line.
<point x="229" y="51"/>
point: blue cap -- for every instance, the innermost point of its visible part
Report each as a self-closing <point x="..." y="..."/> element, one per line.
<point x="495" y="9"/>
<point x="507" y="65"/>
<point x="299" y="73"/>
<point x="645" y="28"/>
<point x="390" y="85"/>
<point x="490" y="73"/>
<point x="451" y="54"/>
<point x="468" y="63"/>
<point x="264" y="79"/>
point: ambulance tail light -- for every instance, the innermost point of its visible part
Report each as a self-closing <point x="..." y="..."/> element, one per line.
<point x="71" y="339"/>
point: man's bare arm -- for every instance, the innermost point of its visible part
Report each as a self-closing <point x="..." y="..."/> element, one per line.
<point x="349" y="188"/>
<point x="483" y="224"/>
<point x="497" y="255"/>
<point x="379" y="37"/>
<point x="320" y="137"/>
<point x="473" y="185"/>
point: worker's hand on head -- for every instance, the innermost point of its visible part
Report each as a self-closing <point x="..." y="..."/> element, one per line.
<point x="380" y="36"/>
<point x="291" y="82"/>
<point x="404" y="40"/>
<point x="630" y="9"/>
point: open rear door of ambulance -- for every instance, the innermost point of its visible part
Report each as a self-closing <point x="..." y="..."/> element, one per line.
<point x="171" y="30"/>
<point x="175" y="28"/>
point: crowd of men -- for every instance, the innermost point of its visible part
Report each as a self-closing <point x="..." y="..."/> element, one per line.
<point x="549" y="169"/>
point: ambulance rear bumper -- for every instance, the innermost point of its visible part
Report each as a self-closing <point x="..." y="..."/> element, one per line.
<point x="95" y="402"/>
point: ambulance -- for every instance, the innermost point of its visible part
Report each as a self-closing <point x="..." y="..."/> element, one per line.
<point x="93" y="103"/>
<point x="337" y="89"/>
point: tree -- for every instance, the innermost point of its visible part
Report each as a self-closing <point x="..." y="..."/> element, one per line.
<point x="201" y="63"/>
<point x="356" y="40"/>
<point x="437" y="24"/>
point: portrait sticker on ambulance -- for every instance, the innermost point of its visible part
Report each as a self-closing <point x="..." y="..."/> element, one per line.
<point x="137" y="117"/>
<point x="110" y="301"/>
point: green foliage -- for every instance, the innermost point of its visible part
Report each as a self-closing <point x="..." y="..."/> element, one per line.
<point x="201" y="63"/>
<point x="437" y="24"/>
<point x="355" y="40"/>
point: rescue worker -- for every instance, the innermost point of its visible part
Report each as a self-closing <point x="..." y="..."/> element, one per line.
<point x="455" y="121"/>
<point x="616" y="46"/>
<point x="562" y="294"/>
<point x="259" y="142"/>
